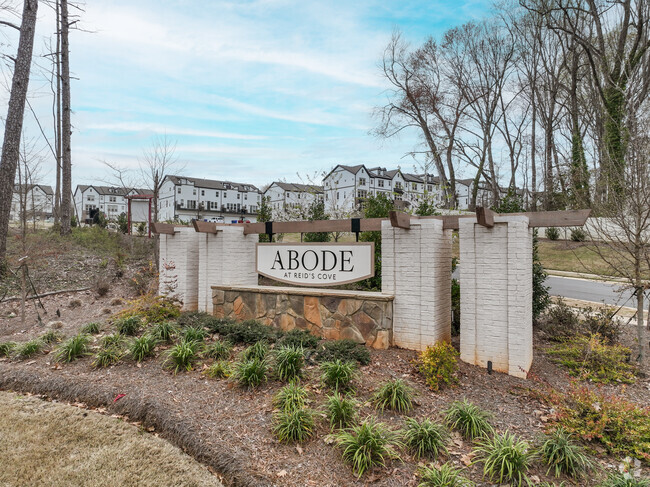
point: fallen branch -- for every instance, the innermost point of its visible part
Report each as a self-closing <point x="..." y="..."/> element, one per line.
<point x="50" y="293"/>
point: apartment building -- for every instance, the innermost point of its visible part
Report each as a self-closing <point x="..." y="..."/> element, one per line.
<point x="183" y="199"/>
<point x="109" y="200"/>
<point x="290" y="201"/>
<point x="35" y="200"/>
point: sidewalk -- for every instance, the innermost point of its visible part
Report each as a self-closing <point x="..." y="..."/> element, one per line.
<point x="583" y="275"/>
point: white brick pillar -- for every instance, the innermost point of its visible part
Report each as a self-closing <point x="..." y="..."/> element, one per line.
<point x="496" y="293"/>
<point x="179" y="266"/>
<point x="226" y="258"/>
<point x="416" y="269"/>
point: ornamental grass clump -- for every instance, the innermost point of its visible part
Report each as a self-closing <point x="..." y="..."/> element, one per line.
<point x="129" y="325"/>
<point x="194" y="334"/>
<point x="344" y="350"/>
<point x="341" y="410"/>
<point x="505" y="458"/>
<point x="113" y="340"/>
<point x="72" y="349"/>
<point x="292" y="396"/>
<point x="338" y="374"/>
<point x="251" y="373"/>
<point x="367" y="445"/>
<point x="294" y="425"/>
<point x="395" y="395"/>
<point x="425" y="438"/>
<point x="218" y="350"/>
<point x="259" y="350"/>
<point x="590" y="358"/>
<point x="438" y="365"/>
<point x="562" y="455"/>
<point x="51" y="336"/>
<point x="445" y="475"/>
<point x="107" y="356"/>
<point x="28" y="349"/>
<point x="220" y="369"/>
<point x="142" y="347"/>
<point x="470" y="420"/>
<point x="91" y="328"/>
<point x="289" y="362"/>
<point x="6" y="348"/>
<point x="624" y="480"/>
<point x="182" y="356"/>
<point x="164" y="331"/>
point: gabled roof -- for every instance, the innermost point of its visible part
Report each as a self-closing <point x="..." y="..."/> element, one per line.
<point x="213" y="184"/>
<point x="107" y="190"/>
<point x="29" y="187"/>
<point x="298" y="188"/>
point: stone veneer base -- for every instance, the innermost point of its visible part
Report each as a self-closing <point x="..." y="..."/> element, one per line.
<point x="365" y="317"/>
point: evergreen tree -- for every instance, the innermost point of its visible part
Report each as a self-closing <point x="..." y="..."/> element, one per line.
<point x="317" y="212"/>
<point x="378" y="206"/>
<point x="264" y="215"/>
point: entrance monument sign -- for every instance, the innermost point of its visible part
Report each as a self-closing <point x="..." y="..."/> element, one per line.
<point x="316" y="264"/>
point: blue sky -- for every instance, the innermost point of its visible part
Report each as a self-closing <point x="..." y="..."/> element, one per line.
<point x="251" y="91"/>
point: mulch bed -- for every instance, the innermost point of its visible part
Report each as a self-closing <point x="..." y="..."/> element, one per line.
<point x="230" y="428"/>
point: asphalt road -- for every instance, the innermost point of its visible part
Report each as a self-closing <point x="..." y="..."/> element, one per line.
<point x="599" y="292"/>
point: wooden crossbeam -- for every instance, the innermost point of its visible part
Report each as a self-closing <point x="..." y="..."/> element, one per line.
<point x="485" y="217"/>
<point x="399" y="219"/>
<point x="159" y="228"/>
<point x="205" y="227"/>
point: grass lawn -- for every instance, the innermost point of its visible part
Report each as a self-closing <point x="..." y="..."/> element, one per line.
<point x="55" y="444"/>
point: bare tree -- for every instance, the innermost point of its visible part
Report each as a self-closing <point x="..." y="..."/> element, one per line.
<point x="155" y="164"/>
<point x="66" y="125"/>
<point x="14" y="122"/>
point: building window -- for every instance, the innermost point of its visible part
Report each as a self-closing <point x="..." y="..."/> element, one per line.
<point x="429" y="188"/>
<point x="202" y="192"/>
<point x="225" y="194"/>
<point x="414" y="186"/>
<point x="179" y="190"/>
<point x="338" y="196"/>
<point x="112" y="199"/>
<point x="362" y="181"/>
<point x="246" y="196"/>
<point x="91" y="197"/>
<point x="194" y="191"/>
<point x="238" y="196"/>
<point x="380" y="183"/>
<point x="362" y="193"/>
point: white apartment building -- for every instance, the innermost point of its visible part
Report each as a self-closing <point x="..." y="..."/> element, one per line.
<point x="36" y="200"/>
<point x="291" y="201"/>
<point x="345" y="188"/>
<point x="182" y="198"/>
<point x="111" y="201"/>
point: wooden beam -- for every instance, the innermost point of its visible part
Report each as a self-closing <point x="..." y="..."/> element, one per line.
<point x="367" y="225"/>
<point x="399" y="219"/>
<point x="485" y="217"/>
<point x="568" y="218"/>
<point x="159" y="228"/>
<point x="205" y="227"/>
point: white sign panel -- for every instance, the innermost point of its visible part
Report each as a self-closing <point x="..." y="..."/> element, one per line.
<point x="316" y="264"/>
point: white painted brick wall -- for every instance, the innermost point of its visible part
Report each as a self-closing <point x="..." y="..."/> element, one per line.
<point x="496" y="294"/>
<point x="416" y="269"/>
<point x="179" y="262"/>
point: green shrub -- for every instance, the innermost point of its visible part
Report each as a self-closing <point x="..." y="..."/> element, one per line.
<point x="72" y="348"/>
<point x="345" y="350"/>
<point x="603" y="322"/>
<point x="198" y="319"/>
<point x="425" y="438"/>
<point x="470" y="420"/>
<point x="219" y="350"/>
<point x="251" y="331"/>
<point x="624" y="480"/>
<point x="251" y="373"/>
<point x="91" y="328"/>
<point x="578" y="235"/>
<point x="106" y="356"/>
<point x="294" y="425"/>
<point x="28" y="349"/>
<point x="164" y="331"/>
<point x="562" y="455"/>
<point x="620" y="426"/>
<point x="51" y="336"/>
<point x="561" y="322"/>
<point x="292" y="396"/>
<point x="114" y="340"/>
<point x="142" y="347"/>
<point x="299" y="339"/>
<point x="446" y="475"/>
<point x="367" y="445"/>
<point x="552" y="233"/>
<point x="338" y="374"/>
<point x="455" y="307"/>
<point x="394" y="394"/>
<point x="219" y="370"/>
<point x="129" y="325"/>
<point x="258" y="351"/>
<point x="505" y="458"/>
<point x="182" y="356"/>
<point x="438" y="364"/>
<point x="289" y="362"/>
<point x="194" y="334"/>
<point x="589" y="358"/>
<point x="341" y="410"/>
<point x="152" y="309"/>
<point x="222" y="326"/>
<point x="6" y="348"/>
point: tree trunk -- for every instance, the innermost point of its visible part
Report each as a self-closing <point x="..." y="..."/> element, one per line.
<point x="640" y="325"/>
<point x="66" y="126"/>
<point x="14" y="121"/>
<point x="57" y="119"/>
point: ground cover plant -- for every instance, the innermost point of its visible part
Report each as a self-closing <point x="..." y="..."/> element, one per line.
<point x="562" y="455"/>
<point x="142" y="347"/>
<point x="505" y="458"/>
<point x="425" y="438"/>
<point x="341" y="410"/>
<point x="624" y="480"/>
<point x="92" y="328"/>
<point x="367" y="445"/>
<point x="445" y="475"/>
<point x="51" y="336"/>
<point x="294" y="425"/>
<point x="257" y="351"/>
<point x="6" y="348"/>
<point x="292" y="396"/>
<point x="164" y="331"/>
<point x="299" y="339"/>
<point x="220" y="369"/>
<point x="289" y="362"/>
<point x="182" y="356"/>
<point x="344" y="350"/>
<point x="113" y="340"/>
<point x="194" y="334"/>
<point x="107" y="356"/>
<point x="251" y="373"/>
<point x="338" y="374"/>
<point x="590" y="358"/>
<point x="470" y="420"/>
<point x="218" y="350"/>
<point x="395" y="395"/>
<point x="29" y="348"/>
<point x="248" y="332"/>
<point x="438" y="365"/>
<point x="73" y="348"/>
<point x="129" y="325"/>
<point x="151" y="309"/>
